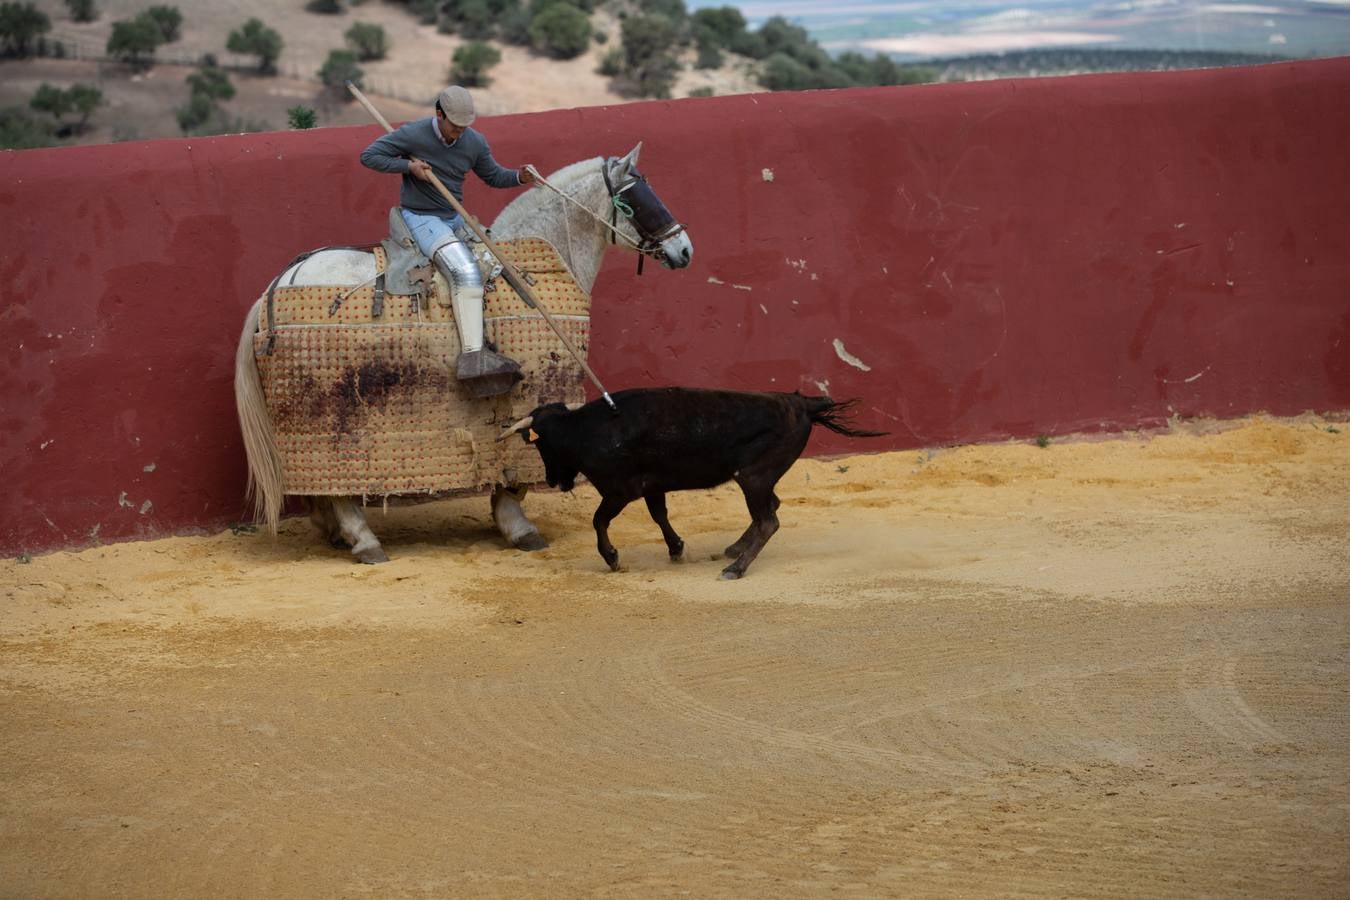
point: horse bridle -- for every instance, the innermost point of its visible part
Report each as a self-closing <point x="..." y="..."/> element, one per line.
<point x="635" y="200"/>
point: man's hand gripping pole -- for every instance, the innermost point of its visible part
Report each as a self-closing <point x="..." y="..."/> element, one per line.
<point x="509" y="271"/>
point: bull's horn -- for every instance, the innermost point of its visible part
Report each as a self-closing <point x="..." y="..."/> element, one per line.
<point x="523" y="423"/>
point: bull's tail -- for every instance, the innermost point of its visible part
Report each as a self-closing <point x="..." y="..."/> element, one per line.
<point x="265" y="475"/>
<point x="837" y="416"/>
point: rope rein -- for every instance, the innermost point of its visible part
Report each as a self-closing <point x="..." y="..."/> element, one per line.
<point x="620" y="205"/>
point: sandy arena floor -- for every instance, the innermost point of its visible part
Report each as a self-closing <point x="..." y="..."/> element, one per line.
<point x="1101" y="668"/>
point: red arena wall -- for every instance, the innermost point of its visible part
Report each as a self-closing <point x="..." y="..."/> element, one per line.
<point x="974" y="261"/>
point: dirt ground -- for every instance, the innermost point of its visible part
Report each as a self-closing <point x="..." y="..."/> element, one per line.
<point x="1104" y="667"/>
<point x="141" y="106"/>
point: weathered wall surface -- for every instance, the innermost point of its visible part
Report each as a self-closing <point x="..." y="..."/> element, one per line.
<point x="974" y="261"/>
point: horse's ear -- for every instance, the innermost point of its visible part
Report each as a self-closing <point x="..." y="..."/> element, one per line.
<point x="630" y="161"/>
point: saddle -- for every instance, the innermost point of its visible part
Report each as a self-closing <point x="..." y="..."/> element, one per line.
<point x="408" y="271"/>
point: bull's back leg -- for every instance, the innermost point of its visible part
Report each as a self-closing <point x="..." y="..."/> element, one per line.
<point x="656" y="505"/>
<point x="604" y="514"/>
<point x="763" y="505"/>
<point x="757" y="482"/>
<point x="518" y="530"/>
<point x="737" y="548"/>
<point x="352" y="524"/>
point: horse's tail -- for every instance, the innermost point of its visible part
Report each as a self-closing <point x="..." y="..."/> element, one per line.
<point x="265" y="477"/>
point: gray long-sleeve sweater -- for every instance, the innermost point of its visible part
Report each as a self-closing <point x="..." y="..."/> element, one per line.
<point x="451" y="163"/>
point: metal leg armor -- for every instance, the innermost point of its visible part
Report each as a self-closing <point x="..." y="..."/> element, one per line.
<point x="483" y="372"/>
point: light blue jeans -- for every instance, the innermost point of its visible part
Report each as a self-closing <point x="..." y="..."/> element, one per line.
<point x="431" y="231"/>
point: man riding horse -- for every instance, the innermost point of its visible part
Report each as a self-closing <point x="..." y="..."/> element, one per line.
<point x="446" y="147"/>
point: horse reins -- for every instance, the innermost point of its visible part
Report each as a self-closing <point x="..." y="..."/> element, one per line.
<point x="652" y="221"/>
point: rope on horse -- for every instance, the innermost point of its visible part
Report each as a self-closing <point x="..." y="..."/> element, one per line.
<point x="618" y="204"/>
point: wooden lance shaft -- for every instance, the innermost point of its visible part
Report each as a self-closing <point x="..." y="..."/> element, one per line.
<point x="509" y="271"/>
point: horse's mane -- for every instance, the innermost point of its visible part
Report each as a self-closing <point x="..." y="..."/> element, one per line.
<point x="541" y="213"/>
<point x="537" y="202"/>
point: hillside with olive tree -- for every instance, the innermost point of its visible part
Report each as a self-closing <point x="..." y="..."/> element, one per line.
<point x="110" y="70"/>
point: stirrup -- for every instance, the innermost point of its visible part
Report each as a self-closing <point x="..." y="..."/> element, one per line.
<point x="484" y="373"/>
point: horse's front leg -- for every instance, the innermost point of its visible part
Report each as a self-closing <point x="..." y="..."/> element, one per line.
<point x="352" y="526"/>
<point x="519" y="531"/>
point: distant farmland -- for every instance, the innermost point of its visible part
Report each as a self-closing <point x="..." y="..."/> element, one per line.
<point x="1071" y="61"/>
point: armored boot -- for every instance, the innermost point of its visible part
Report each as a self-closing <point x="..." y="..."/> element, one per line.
<point x="483" y="372"/>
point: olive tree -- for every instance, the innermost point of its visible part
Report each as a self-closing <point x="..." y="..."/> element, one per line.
<point x="82" y="10"/>
<point x="470" y="63"/>
<point x="338" y="69"/>
<point x="169" y="21"/>
<point x="211" y="82"/>
<point x="133" y="41"/>
<point x="254" y="38"/>
<point x="81" y="99"/>
<point x="561" y="31"/>
<point x="21" y="25"/>
<point x="367" y="41"/>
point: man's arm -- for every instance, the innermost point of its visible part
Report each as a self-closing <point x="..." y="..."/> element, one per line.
<point x="388" y="153"/>
<point x="496" y="175"/>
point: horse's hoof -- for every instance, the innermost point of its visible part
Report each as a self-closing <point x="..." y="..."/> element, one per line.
<point x="532" y="541"/>
<point x="373" y="556"/>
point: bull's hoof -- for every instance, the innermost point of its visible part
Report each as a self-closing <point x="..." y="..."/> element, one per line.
<point x="373" y="556"/>
<point x="731" y="573"/>
<point x="532" y="541"/>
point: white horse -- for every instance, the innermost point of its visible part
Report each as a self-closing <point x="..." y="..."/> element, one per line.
<point x="586" y="207"/>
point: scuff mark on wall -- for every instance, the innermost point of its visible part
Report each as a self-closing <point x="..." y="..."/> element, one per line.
<point x="766" y="174"/>
<point x="1196" y="377"/>
<point x="849" y="357"/>
<point x="123" y="501"/>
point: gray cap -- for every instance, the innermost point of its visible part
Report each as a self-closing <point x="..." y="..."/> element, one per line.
<point x="457" y="104"/>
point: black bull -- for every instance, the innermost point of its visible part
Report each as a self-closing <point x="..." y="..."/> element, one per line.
<point x="658" y="440"/>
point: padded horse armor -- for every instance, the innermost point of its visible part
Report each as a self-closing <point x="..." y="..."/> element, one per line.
<point x="484" y="372"/>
